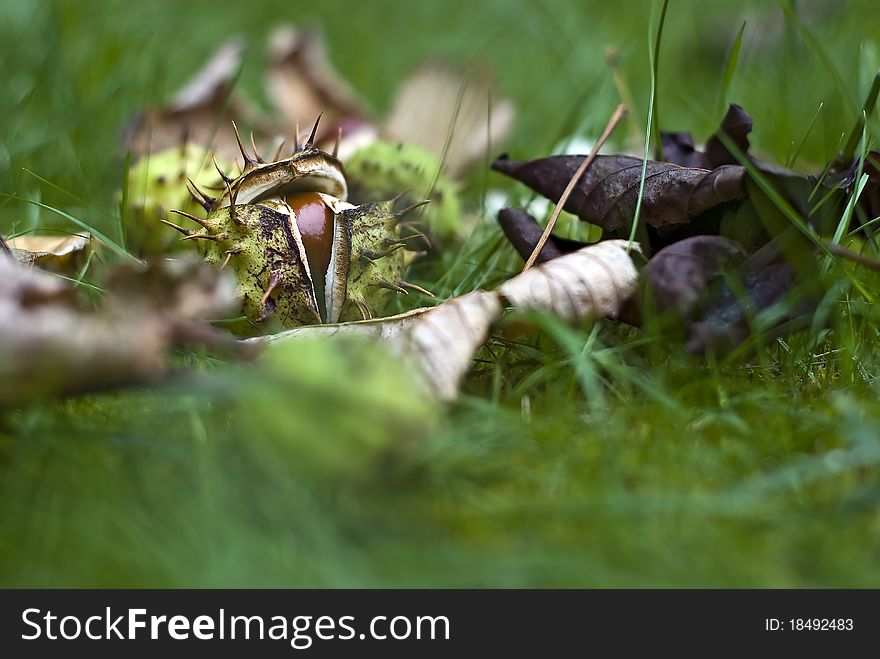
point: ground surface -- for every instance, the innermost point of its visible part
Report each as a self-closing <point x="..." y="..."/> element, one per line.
<point x="577" y="458"/>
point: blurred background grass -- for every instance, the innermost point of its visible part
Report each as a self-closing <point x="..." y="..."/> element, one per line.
<point x="610" y="465"/>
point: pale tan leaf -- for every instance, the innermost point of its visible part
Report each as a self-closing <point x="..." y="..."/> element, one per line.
<point x="440" y="342"/>
<point x="438" y="97"/>
<point x="50" y="344"/>
<point x="377" y="328"/>
<point x="590" y="283"/>
<point x="212" y="83"/>
<point x="57" y="253"/>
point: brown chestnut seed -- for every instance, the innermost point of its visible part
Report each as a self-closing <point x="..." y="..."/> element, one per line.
<point x="314" y="219"/>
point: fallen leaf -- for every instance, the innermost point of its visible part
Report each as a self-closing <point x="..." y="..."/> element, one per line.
<point x="674" y="196"/>
<point x="52" y="345"/>
<point x="440" y="342"/>
<point x="679" y="148"/>
<point x="590" y="283"/>
<point x="56" y="253"/>
<point x="679" y="276"/>
<point x="378" y="328"/>
<point x="450" y="113"/>
<point x="765" y="303"/>
<point x="523" y="232"/>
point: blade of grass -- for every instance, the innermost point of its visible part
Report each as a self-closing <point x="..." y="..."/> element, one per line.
<point x="447" y="143"/>
<point x="730" y="69"/>
<point x="123" y="203"/>
<point x="650" y="125"/>
<point x="844" y="223"/>
<point x="789" y="162"/>
<point x="83" y="225"/>
<point x="858" y="131"/>
<point x="655" y="65"/>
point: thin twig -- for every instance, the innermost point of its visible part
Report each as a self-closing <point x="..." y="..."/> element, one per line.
<point x="861" y="259"/>
<point x="619" y="114"/>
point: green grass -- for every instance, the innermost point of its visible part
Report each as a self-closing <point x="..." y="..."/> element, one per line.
<point x="576" y="457"/>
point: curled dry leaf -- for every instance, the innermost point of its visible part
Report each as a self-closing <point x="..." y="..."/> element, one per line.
<point x="590" y="283"/>
<point x="524" y="232"/>
<point x="50" y="344"/>
<point x="438" y="102"/>
<point x="386" y="328"/>
<point x="57" y="253"/>
<point x="440" y="342"/>
<point x="606" y="195"/>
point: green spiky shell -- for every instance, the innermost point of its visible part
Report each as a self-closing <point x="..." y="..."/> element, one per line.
<point x="157" y="184"/>
<point x="251" y="229"/>
<point x="377" y="259"/>
<point x="257" y="242"/>
<point x="383" y="169"/>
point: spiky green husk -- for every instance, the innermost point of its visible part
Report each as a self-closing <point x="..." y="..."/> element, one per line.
<point x="258" y="242"/>
<point x="157" y="184"/>
<point x="377" y="259"/>
<point x="383" y="169"/>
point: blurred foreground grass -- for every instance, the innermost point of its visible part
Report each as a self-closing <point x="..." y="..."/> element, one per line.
<point x="618" y="464"/>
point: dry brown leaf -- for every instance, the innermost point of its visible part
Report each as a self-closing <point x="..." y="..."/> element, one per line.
<point x="56" y="253"/>
<point x="427" y="103"/>
<point x="50" y="344"/>
<point x="440" y="342"/>
<point x="675" y="198"/>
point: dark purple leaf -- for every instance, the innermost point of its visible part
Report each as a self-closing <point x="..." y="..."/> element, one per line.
<point x="737" y="124"/>
<point x="720" y="298"/>
<point x="680" y="275"/>
<point x="524" y="232"/>
<point x="730" y="317"/>
<point x="608" y="192"/>
<point x="679" y="148"/>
